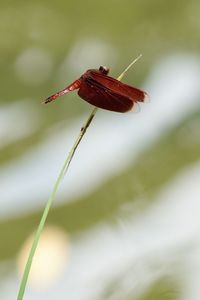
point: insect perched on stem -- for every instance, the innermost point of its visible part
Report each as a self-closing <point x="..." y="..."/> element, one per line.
<point x="103" y="91"/>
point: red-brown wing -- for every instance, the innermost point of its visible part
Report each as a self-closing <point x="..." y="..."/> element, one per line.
<point x="118" y="87"/>
<point x="102" y="97"/>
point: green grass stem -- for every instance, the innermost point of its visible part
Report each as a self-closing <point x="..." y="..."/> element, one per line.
<point x="53" y="194"/>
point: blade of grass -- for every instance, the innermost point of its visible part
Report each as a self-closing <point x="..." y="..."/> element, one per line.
<point x="129" y="66"/>
<point x="53" y="194"/>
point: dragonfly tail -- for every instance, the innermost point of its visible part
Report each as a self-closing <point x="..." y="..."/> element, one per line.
<point x="73" y="86"/>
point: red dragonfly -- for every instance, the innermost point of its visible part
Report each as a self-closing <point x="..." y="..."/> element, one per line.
<point x="103" y="91"/>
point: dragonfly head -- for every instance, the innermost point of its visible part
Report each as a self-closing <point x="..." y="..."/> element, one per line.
<point x="104" y="70"/>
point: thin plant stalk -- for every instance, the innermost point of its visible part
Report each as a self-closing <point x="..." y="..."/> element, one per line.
<point x="53" y="194"/>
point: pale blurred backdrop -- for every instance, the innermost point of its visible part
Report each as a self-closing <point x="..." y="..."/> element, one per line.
<point x="126" y="221"/>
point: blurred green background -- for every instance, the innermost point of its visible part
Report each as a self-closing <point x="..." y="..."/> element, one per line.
<point x="130" y="202"/>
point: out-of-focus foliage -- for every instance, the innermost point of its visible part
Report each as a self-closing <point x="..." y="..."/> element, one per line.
<point x="168" y="156"/>
<point x="164" y="289"/>
<point x="47" y="44"/>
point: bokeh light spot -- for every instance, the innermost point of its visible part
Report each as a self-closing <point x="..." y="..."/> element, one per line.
<point x="34" y="66"/>
<point x="88" y="53"/>
<point x="51" y="257"/>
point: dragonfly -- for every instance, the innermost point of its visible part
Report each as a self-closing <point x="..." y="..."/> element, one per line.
<point x="103" y="91"/>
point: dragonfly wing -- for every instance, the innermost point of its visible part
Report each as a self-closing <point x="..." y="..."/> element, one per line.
<point x="102" y="97"/>
<point x="119" y="87"/>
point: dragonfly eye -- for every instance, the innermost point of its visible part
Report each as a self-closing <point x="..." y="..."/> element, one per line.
<point x="104" y="70"/>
